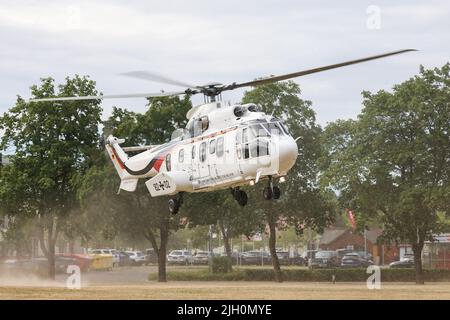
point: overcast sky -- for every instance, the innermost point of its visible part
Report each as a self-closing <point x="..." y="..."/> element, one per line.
<point x="221" y="41"/>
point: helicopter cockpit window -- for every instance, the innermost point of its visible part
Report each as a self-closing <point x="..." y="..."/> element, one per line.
<point x="255" y="142"/>
<point x="258" y="130"/>
<point x="245" y="135"/>
<point x="190" y="129"/>
<point x="245" y="146"/>
<point x="273" y="128"/>
<point x="259" y="148"/>
<point x="205" y="123"/>
<point x="283" y="126"/>
<point x="239" y="137"/>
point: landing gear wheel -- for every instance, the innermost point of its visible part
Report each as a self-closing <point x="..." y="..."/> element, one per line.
<point x="174" y="206"/>
<point x="276" y="192"/>
<point x="242" y="198"/>
<point x="267" y="193"/>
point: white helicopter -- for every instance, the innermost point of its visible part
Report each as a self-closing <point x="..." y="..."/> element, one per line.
<point x="222" y="146"/>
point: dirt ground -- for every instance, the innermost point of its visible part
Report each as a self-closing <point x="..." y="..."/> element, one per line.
<point x="232" y="290"/>
<point x="131" y="283"/>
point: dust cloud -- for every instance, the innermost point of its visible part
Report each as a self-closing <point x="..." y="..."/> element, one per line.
<point x="20" y="279"/>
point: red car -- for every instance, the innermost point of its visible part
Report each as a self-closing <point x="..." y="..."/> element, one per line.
<point x="82" y="260"/>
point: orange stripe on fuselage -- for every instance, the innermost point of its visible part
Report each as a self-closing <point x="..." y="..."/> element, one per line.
<point x="116" y="157"/>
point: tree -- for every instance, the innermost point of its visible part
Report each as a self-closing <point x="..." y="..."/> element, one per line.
<point x="54" y="142"/>
<point x="392" y="164"/>
<point x="303" y="204"/>
<point x="137" y="213"/>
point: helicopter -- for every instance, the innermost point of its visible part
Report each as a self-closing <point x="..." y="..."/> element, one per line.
<point x="223" y="146"/>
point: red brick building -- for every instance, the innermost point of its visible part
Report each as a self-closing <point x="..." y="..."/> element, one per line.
<point x="341" y="238"/>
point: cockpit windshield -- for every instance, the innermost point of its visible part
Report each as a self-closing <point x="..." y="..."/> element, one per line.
<point x="273" y="128"/>
<point x="258" y="130"/>
<point x="266" y="129"/>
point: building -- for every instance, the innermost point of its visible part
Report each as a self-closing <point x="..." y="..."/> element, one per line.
<point x="347" y="238"/>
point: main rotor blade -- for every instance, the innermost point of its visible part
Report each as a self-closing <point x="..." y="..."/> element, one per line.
<point x="151" y="76"/>
<point x="310" y="71"/>
<point x="112" y="96"/>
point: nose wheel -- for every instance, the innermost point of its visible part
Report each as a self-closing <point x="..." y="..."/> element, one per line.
<point x="174" y="204"/>
<point x="271" y="192"/>
<point x="240" y="196"/>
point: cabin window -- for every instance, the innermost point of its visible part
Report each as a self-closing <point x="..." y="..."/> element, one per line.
<point x="203" y="124"/>
<point x="239" y="137"/>
<point x="212" y="146"/>
<point x="219" y="147"/>
<point x="245" y="148"/>
<point x="181" y="155"/>
<point x="202" y="152"/>
<point x="245" y="135"/>
<point x="193" y="152"/>
<point x="259" y="148"/>
<point x="246" y="151"/>
<point x="190" y="129"/>
<point x="168" y="164"/>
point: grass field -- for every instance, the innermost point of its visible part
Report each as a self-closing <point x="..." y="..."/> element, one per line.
<point x="235" y="290"/>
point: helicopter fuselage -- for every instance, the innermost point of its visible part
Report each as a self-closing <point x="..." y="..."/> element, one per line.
<point x="221" y="147"/>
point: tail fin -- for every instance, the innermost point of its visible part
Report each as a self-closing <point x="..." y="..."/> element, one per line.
<point x="118" y="158"/>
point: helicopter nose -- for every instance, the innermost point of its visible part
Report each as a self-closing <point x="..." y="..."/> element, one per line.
<point x="288" y="152"/>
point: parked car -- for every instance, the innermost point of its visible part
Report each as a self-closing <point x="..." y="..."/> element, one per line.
<point x="124" y="259"/>
<point x="150" y="257"/>
<point x="180" y="257"/>
<point x="62" y="263"/>
<point x="283" y="257"/>
<point x="201" y="257"/>
<point x="365" y="255"/>
<point x="353" y="260"/>
<point x="81" y="260"/>
<point x="113" y="252"/>
<point x="342" y="252"/>
<point x="298" y="260"/>
<point x="405" y="263"/>
<point x="325" y="259"/>
<point x="255" y="257"/>
<point x="308" y="255"/>
<point x="137" y="258"/>
<point x="235" y="256"/>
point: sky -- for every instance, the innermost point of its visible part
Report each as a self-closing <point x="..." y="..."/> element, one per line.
<point x="227" y="41"/>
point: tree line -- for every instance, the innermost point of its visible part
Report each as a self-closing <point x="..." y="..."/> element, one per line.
<point x="391" y="166"/>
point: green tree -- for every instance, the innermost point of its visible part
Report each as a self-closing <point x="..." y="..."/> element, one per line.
<point x="303" y="204"/>
<point x="54" y="142"/>
<point x="392" y="164"/>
